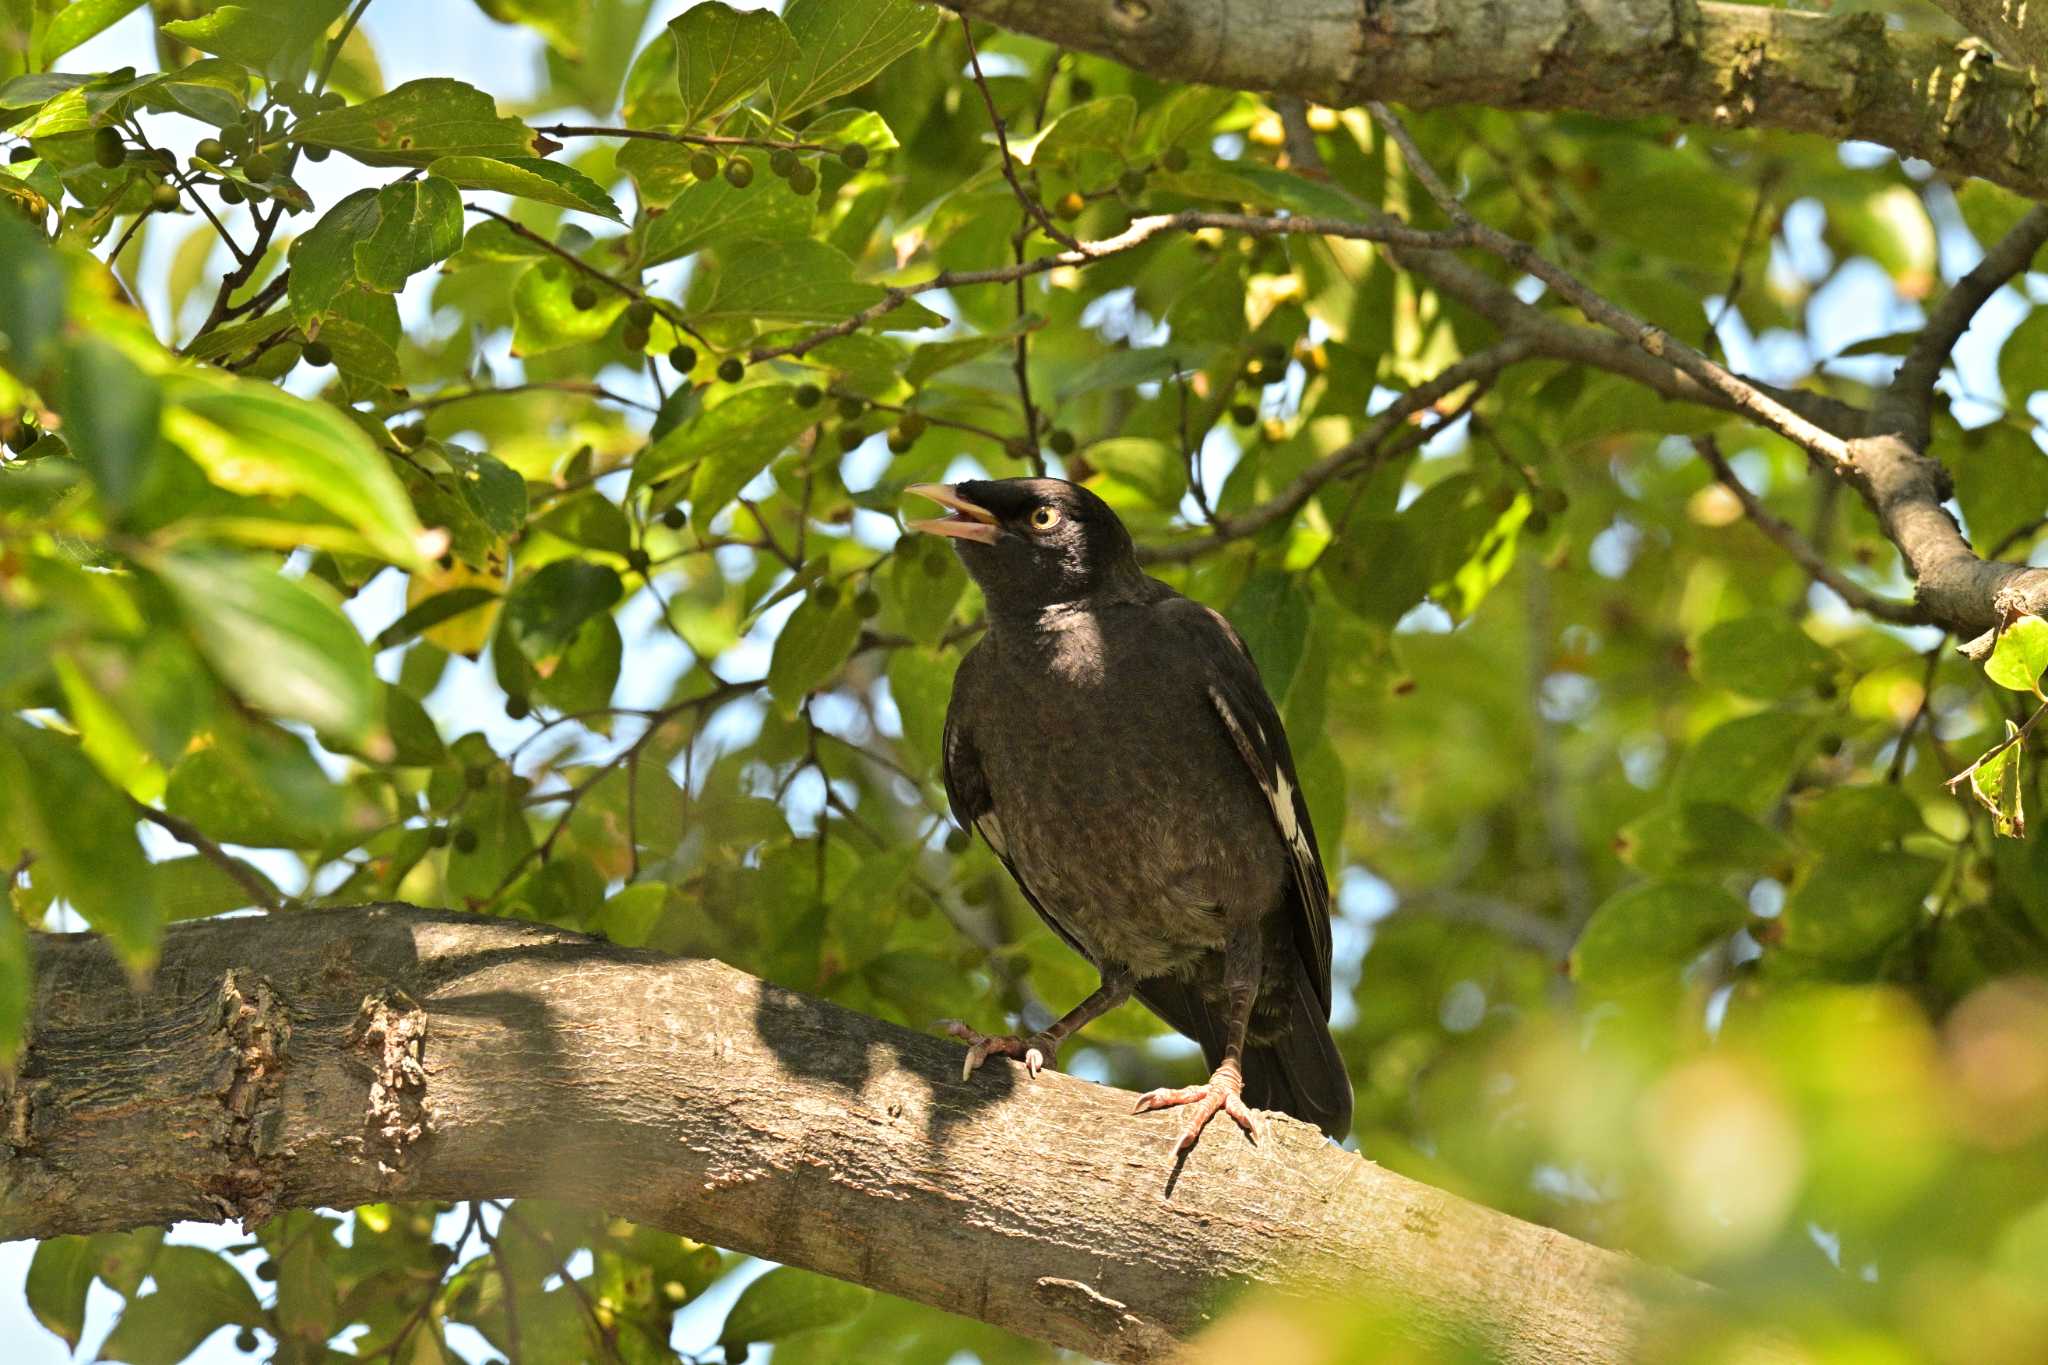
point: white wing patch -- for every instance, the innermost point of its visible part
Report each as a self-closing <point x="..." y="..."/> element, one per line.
<point x="1279" y="791"/>
<point x="992" y="830"/>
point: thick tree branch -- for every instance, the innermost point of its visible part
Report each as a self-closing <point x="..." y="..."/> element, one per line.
<point x="2018" y="30"/>
<point x="1728" y="65"/>
<point x="335" y="1057"/>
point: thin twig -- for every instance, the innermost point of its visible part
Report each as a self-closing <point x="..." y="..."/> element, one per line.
<point x="1141" y="231"/>
<point x="348" y="26"/>
<point x="1744" y="396"/>
<point x="634" y="292"/>
<point x="1024" y="196"/>
<point x="689" y="139"/>
<point x="578" y="387"/>
<point x="259" y="888"/>
<point x="1788" y="539"/>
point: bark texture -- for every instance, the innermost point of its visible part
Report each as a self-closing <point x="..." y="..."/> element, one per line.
<point x="2017" y="28"/>
<point x="1728" y="65"/>
<point x="334" y="1057"/>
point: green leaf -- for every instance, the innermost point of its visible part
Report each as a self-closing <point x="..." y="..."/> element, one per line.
<point x="591" y="520"/>
<point x="1377" y="569"/>
<point x="729" y="443"/>
<point x="1697" y="838"/>
<point x="75" y="24"/>
<point x="786" y="1301"/>
<point x="1852" y="905"/>
<point x="815" y="642"/>
<point x="1995" y="782"/>
<point x="419" y="222"/>
<point x="1151" y="467"/>
<point x="844" y="44"/>
<point x="630" y="916"/>
<point x="273" y="36"/>
<point x="2020" y="655"/>
<point x="922" y="584"/>
<point x="722" y="54"/>
<point x="112" y="413"/>
<point x="528" y="177"/>
<point x="281" y="643"/>
<point x="419" y="123"/>
<point x="255" y="439"/>
<point x="713" y="213"/>
<point x="587" y="672"/>
<point x="921" y="683"/>
<point x="63" y="1267"/>
<point x="196" y="887"/>
<point x="1747" y="762"/>
<point x="1855" y="819"/>
<point x="197" y="1293"/>
<point x="795" y="280"/>
<point x="1764" y="655"/>
<point x="1647" y="933"/>
<point x="259" y="787"/>
<point x="442" y="606"/>
<point x="31" y="295"/>
<point x="546" y="611"/>
<point x="545" y="315"/>
<point x="82" y="831"/>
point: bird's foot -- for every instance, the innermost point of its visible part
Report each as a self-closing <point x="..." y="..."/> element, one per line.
<point x="1036" y="1052"/>
<point x="1224" y="1094"/>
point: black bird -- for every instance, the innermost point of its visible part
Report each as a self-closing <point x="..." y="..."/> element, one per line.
<point x="1112" y="742"/>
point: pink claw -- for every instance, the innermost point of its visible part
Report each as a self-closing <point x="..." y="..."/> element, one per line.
<point x="1222" y="1094"/>
<point x="981" y="1046"/>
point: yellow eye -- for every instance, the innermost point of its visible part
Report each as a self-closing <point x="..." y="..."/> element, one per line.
<point x="1045" y="518"/>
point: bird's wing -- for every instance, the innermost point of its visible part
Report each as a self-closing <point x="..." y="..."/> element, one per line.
<point x="1247" y="714"/>
<point x="967" y="792"/>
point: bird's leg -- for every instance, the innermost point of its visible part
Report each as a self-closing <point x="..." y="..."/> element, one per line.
<point x="1041" y="1049"/>
<point x="1224" y="1092"/>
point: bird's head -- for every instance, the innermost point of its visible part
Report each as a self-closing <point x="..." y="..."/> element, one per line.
<point x="1032" y="543"/>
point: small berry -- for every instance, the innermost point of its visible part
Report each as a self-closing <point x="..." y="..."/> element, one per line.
<point x="259" y="166"/>
<point x="318" y="353"/>
<point x="164" y="198"/>
<point x="230" y="192"/>
<point x="1244" y="414"/>
<point x="826" y="595"/>
<point x="803" y="180"/>
<point x="518" y="707"/>
<point x="913" y="425"/>
<point x="465" y="841"/>
<point x="266" y="1270"/>
<point x="808" y="395"/>
<point x="782" y="161"/>
<point x="957" y="841"/>
<point x="640" y="313"/>
<point x="851" y="407"/>
<point x="1174" y="159"/>
<point x="1536" y="523"/>
<point x="853" y="156"/>
<point x="1132" y="183"/>
<point x="634" y="338"/>
<point x="731" y="368"/>
<point x="22" y="152"/>
<point x="108" y="149"/>
<point x="1081" y="88"/>
<point x="673" y="518"/>
<point x="739" y="173"/>
<point x="850" y="438"/>
<point x="1070" y="205"/>
<point x="867" y="603"/>
<point x="245" y="1341"/>
<point x="638" y="561"/>
<point x="437" y="836"/>
<point x="704" y="166"/>
<point x="682" y="359"/>
<point x="583" y="298"/>
<point x="332" y="99"/>
<point x="210" y="149"/>
<point x="1061" y="441"/>
<point x="410" y="434"/>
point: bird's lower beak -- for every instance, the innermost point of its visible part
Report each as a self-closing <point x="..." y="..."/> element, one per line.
<point x="968" y="522"/>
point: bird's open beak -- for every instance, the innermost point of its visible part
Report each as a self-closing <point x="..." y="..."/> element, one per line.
<point x="968" y="522"/>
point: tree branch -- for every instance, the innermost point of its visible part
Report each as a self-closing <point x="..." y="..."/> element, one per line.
<point x="1719" y="64"/>
<point x="1905" y="404"/>
<point x="2019" y="32"/>
<point x="341" y="1056"/>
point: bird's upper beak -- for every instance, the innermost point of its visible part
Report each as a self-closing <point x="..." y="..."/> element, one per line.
<point x="969" y="521"/>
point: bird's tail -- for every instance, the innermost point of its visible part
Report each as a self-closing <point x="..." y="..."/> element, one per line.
<point x="1299" y="1071"/>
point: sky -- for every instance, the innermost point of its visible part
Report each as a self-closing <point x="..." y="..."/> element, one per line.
<point x="453" y="38"/>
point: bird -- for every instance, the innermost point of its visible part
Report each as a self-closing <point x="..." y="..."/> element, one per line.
<point x="1112" y="742"/>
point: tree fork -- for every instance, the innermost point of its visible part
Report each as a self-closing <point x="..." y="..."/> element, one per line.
<point x="336" y="1057"/>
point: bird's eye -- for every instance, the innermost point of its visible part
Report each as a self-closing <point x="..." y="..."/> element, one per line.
<point x="1044" y="518"/>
